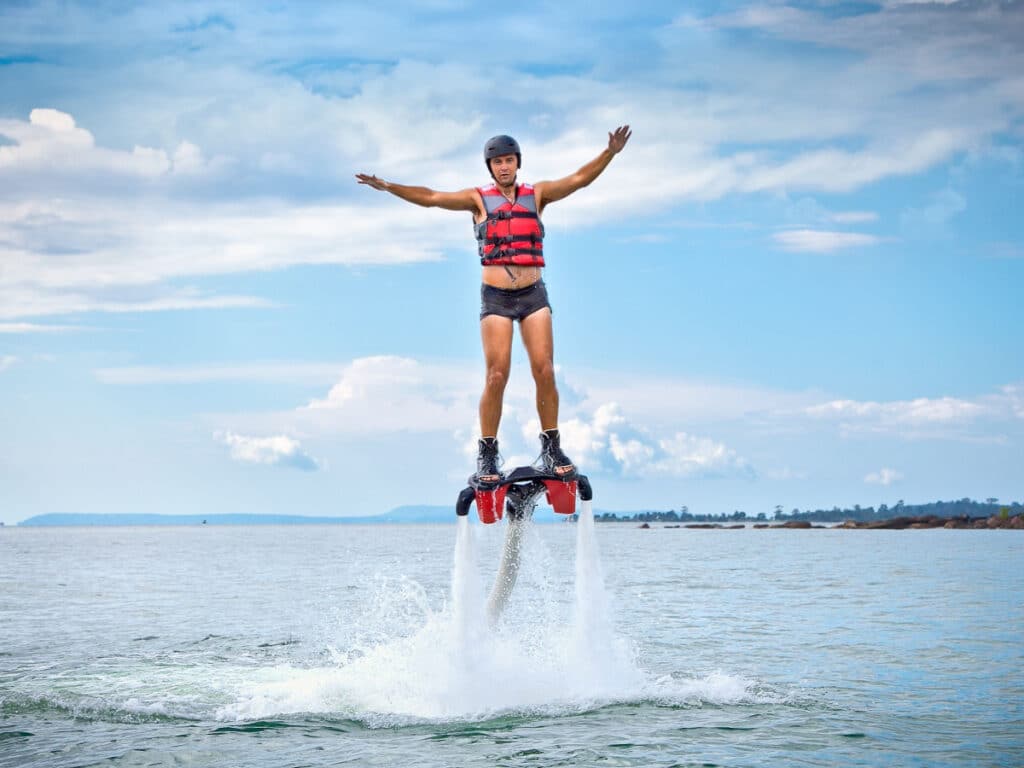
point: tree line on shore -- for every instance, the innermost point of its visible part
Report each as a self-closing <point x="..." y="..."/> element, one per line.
<point x="946" y="509"/>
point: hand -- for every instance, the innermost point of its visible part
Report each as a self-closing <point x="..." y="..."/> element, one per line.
<point x="372" y="181"/>
<point x="618" y="139"/>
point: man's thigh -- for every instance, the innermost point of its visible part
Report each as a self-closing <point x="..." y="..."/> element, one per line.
<point x="538" y="337"/>
<point x="496" y="336"/>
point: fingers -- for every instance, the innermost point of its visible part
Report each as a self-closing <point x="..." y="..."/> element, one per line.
<point x="617" y="139"/>
<point x="372" y="181"/>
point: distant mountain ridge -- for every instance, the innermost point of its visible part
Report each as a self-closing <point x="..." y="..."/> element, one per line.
<point x="405" y="514"/>
<point x="409" y="513"/>
<point x="427" y="513"/>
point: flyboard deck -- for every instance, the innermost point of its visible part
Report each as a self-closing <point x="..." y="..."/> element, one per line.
<point x="521" y="488"/>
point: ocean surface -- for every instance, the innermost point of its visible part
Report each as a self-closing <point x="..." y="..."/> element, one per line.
<point x="292" y="646"/>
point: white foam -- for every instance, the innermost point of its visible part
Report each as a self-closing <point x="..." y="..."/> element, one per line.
<point x="457" y="667"/>
<point x="715" y="688"/>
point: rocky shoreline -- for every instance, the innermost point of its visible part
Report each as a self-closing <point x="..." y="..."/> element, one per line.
<point x="1015" y="523"/>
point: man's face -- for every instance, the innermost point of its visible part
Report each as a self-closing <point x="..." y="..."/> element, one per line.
<point x="504" y="168"/>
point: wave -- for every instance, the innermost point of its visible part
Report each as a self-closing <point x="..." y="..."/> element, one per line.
<point x="400" y="663"/>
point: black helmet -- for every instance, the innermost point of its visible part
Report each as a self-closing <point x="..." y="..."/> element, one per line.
<point x="501" y="145"/>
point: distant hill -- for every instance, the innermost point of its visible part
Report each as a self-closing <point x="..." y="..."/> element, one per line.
<point x="413" y="513"/>
<point x="398" y="515"/>
<point x="424" y="513"/>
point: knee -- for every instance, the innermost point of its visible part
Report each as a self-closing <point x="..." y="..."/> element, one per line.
<point x="544" y="372"/>
<point x="497" y="377"/>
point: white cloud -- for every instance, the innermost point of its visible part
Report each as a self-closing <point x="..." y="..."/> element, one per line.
<point x="921" y="411"/>
<point x="679" y="400"/>
<point x="884" y="476"/>
<point x="396" y="394"/>
<point x="174" y="184"/>
<point x="389" y="395"/>
<point x="24" y="301"/>
<point x="51" y="140"/>
<point x="836" y="170"/>
<point x="819" y="241"/>
<point x="87" y="255"/>
<point x="981" y="419"/>
<point x="6" y="361"/>
<point x="929" y="33"/>
<point x="1009" y="400"/>
<point x="40" y="328"/>
<point x="608" y="440"/>
<point x="278" y="450"/>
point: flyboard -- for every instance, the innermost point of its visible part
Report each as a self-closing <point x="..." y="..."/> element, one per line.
<point x="517" y="495"/>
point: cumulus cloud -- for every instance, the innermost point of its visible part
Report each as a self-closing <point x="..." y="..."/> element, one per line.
<point x="389" y="395"/>
<point x="607" y="439"/>
<point x="278" y="450"/>
<point x="386" y="393"/>
<point x="884" y="476"/>
<point x="51" y="140"/>
<point x="819" y="241"/>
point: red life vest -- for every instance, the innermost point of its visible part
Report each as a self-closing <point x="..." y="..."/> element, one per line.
<point x="512" y="233"/>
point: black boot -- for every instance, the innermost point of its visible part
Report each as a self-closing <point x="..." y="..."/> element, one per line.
<point x="553" y="458"/>
<point x="487" y="472"/>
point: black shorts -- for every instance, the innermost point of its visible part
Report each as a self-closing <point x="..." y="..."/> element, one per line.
<point x="517" y="304"/>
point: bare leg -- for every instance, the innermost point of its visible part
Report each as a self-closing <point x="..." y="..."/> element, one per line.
<point x="540" y="347"/>
<point x="496" y="335"/>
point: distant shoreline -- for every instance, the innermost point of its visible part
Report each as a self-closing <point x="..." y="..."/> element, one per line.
<point x="428" y="514"/>
<point x="995" y="522"/>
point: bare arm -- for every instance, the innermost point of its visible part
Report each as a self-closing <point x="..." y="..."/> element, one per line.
<point x="464" y="200"/>
<point x="550" y="191"/>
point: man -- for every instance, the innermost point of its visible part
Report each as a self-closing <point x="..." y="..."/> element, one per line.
<point x="506" y="218"/>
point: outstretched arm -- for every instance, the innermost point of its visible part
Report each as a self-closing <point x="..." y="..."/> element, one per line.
<point x="465" y="200"/>
<point x="550" y="191"/>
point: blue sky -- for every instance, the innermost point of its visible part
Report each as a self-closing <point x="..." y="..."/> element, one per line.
<point x="799" y="285"/>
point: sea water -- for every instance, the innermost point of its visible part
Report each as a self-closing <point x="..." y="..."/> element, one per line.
<point x="370" y="645"/>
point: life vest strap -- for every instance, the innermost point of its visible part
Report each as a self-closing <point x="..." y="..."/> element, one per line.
<point x="497" y="256"/>
<point x="496" y="216"/>
<point x="494" y="240"/>
<point x="500" y="252"/>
